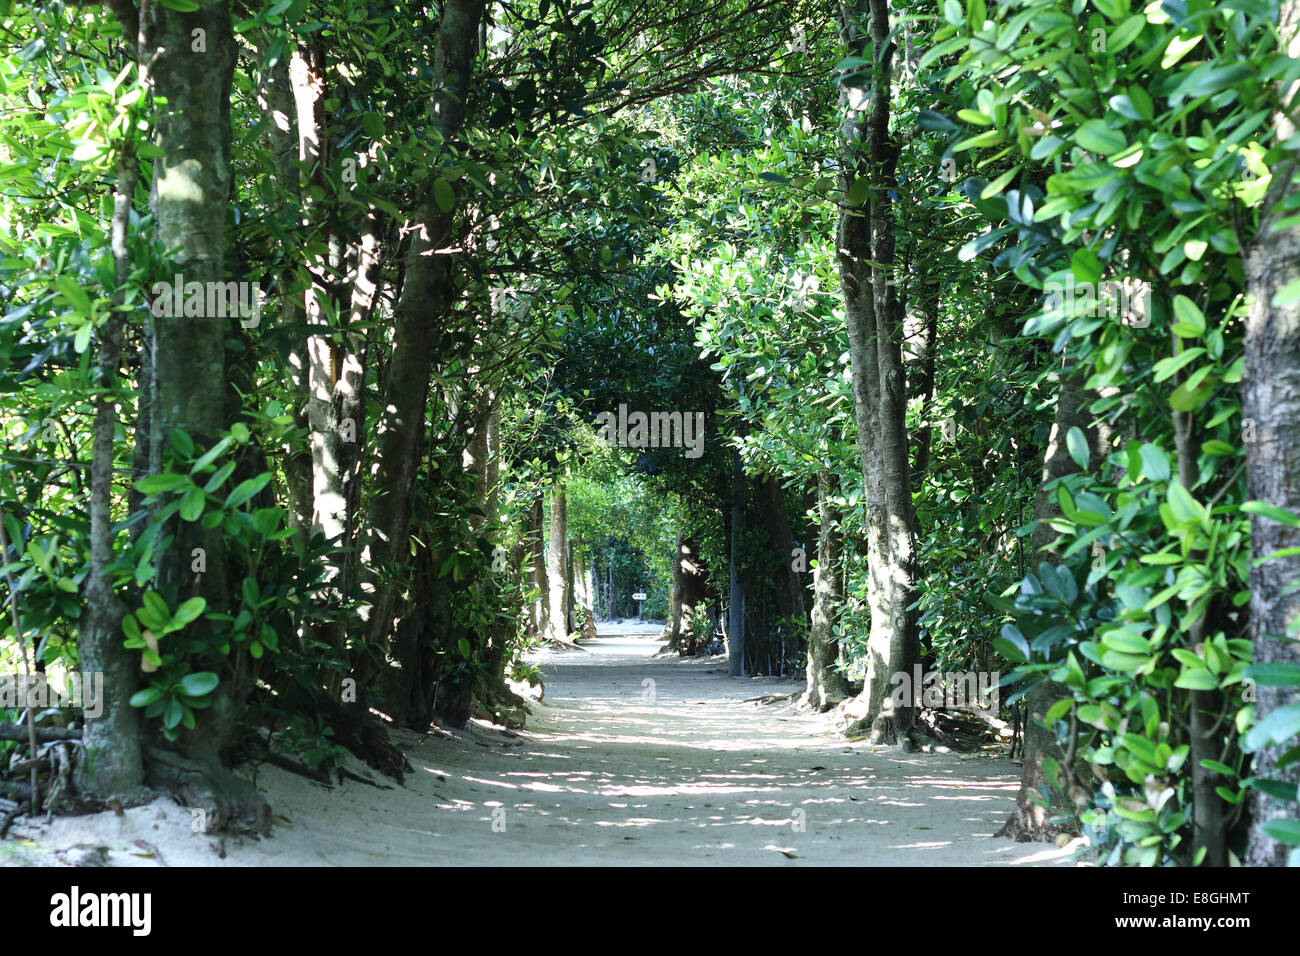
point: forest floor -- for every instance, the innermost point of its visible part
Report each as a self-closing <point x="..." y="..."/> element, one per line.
<point x="631" y="759"/>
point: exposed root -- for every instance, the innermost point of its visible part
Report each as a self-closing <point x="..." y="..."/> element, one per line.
<point x="367" y="739"/>
<point x="228" y="801"/>
<point x="770" y="698"/>
<point x="293" y="766"/>
<point x="1021" y="830"/>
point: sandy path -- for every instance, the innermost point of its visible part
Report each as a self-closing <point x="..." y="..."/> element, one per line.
<point x="629" y="761"/>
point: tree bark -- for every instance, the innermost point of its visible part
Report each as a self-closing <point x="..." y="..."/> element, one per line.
<point x="857" y="281"/>
<point x="826" y="685"/>
<point x="1270" y="392"/>
<point x="674" y="631"/>
<point x="112" y="761"/>
<point x="557" y="574"/>
<point x="692" y="589"/>
<point x="894" y="451"/>
<point x="539" y="618"/>
<point x="736" y="599"/>
<point x="192" y="75"/>
<point x="1031" y="820"/>
<point x="422" y="307"/>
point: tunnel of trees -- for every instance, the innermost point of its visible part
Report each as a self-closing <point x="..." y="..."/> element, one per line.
<point x="352" y="349"/>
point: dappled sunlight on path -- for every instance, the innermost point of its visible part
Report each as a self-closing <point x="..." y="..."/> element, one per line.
<point x="632" y="759"/>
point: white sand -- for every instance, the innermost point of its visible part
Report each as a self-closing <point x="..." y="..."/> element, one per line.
<point x="605" y="773"/>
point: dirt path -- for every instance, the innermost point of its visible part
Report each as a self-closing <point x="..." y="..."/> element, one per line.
<point x="630" y="760"/>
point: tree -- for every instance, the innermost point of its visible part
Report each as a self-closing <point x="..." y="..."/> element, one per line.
<point x="1270" y="390"/>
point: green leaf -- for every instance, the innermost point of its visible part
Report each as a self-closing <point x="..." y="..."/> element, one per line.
<point x="200" y="684"/>
<point x="373" y="124"/>
<point x="1124" y="663"/>
<point x="212" y="455"/>
<point x="1278" y="727"/>
<point x="1096" y="137"/>
<point x="1086" y="266"/>
<point x="1265" y="510"/>
<point x="172" y="713"/>
<point x="75" y="295"/>
<point x="1012" y="644"/>
<point x="1077" y="443"/>
<point x="155" y="605"/>
<point x="1058" y="709"/>
<point x="247" y="489"/>
<point x="1141" y="101"/>
<point x="180" y="440"/>
<point x="1277" y="789"/>
<point x="1189" y="314"/>
<point x="81" y="341"/>
<point x="1218" y="768"/>
<point x="143" y="698"/>
<point x="1185" y="508"/>
<point x="1283" y="831"/>
<point x="1052" y="771"/>
<point x="192" y="504"/>
<point x="1207" y="80"/>
<point x="1279" y="674"/>
<point x="1125" y="33"/>
<point x="1155" y="463"/>
<point x="219" y="477"/>
<point x="1197" y="679"/>
<point x="1127" y="642"/>
<point x="190" y="610"/>
<point x="1142" y="748"/>
<point x="444" y="195"/>
<point x="1168" y="366"/>
<point x="157" y="484"/>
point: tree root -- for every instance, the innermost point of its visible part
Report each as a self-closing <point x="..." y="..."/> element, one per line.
<point x="11" y="731"/>
<point x="367" y="739"/>
<point x="1022" y="830"/>
<point x="228" y="801"/>
<point x="293" y="766"/>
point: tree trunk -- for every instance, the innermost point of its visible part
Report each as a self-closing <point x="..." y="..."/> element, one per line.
<point x="285" y="144"/>
<point x="582" y="591"/>
<point x="693" y="592"/>
<point x="736" y="600"/>
<point x="857" y="280"/>
<point x="557" y="573"/>
<point x="1030" y="819"/>
<point x="674" y="630"/>
<point x="422" y="307"/>
<point x="190" y="196"/>
<point x="894" y="451"/>
<point x="538" y="618"/>
<point x="1270" y="391"/>
<point x="112" y="762"/>
<point x="1208" y="822"/>
<point x="826" y="685"/>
